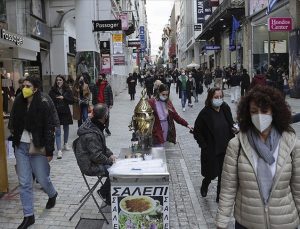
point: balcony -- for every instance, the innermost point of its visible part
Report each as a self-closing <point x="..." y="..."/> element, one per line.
<point x="221" y="18"/>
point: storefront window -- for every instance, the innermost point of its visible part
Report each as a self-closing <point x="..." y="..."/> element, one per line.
<point x="2" y="10"/>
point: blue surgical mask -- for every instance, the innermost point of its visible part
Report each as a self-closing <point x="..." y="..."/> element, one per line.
<point x="217" y="102"/>
<point x="163" y="98"/>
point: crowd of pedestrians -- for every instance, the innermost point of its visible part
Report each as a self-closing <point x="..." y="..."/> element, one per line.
<point x="255" y="157"/>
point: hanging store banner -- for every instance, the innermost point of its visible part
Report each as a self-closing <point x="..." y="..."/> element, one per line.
<point x="119" y="60"/>
<point x="200" y="11"/>
<point x="107" y="25"/>
<point x="280" y="24"/>
<point x="105" y="64"/>
<point x="140" y="206"/>
<point x="207" y="8"/>
<point x="124" y="20"/>
<point x="134" y="43"/>
<point x="142" y="38"/>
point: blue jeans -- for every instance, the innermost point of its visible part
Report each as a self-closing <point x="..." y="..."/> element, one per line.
<point x="58" y="136"/>
<point x="183" y="98"/>
<point x="84" y="114"/>
<point x="26" y="165"/>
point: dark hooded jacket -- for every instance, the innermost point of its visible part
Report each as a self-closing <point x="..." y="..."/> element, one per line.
<point x="90" y="149"/>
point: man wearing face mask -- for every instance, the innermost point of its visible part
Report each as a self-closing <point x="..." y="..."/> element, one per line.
<point x="212" y="131"/>
<point x="92" y="154"/>
<point x="261" y="172"/>
<point x="165" y="115"/>
<point x="32" y="121"/>
<point x="181" y="88"/>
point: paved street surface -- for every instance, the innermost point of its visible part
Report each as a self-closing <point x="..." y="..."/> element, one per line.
<point x="187" y="208"/>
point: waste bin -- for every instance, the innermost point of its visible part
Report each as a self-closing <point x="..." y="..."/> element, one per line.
<point x="140" y="190"/>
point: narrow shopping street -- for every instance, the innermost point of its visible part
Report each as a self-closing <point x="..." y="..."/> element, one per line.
<point x="188" y="210"/>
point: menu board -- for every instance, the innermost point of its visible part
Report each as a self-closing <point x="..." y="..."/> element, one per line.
<point x="140" y="207"/>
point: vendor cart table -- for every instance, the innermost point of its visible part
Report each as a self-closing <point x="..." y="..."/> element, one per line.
<point x="140" y="199"/>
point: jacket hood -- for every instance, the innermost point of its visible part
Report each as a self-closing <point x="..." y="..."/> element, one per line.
<point x="88" y="127"/>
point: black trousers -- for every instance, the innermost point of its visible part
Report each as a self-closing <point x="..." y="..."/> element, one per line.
<point x="239" y="226"/>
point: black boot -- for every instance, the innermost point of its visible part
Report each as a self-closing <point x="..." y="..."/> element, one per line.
<point x="108" y="131"/>
<point x="204" y="187"/>
<point x="51" y="202"/>
<point x="27" y="221"/>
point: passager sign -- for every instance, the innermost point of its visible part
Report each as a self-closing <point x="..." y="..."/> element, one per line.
<point x="280" y="24"/>
<point x="107" y="25"/>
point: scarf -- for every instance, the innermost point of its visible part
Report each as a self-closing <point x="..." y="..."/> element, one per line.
<point x="99" y="124"/>
<point x="265" y="151"/>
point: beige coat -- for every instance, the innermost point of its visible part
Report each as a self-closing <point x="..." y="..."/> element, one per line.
<point x="239" y="187"/>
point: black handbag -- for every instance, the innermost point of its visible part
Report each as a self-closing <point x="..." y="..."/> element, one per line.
<point x="33" y="150"/>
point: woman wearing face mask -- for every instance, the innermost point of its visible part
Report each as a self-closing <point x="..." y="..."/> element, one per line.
<point x="165" y="114"/>
<point x="62" y="97"/>
<point x="81" y="93"/>
<point x="213" y="131"/>
<point x="32" y="122"/>
<point x="190" y="88"/>
<point x="261" y="171"/>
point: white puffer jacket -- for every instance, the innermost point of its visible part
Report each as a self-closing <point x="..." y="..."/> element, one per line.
<point x="239" y="187"/>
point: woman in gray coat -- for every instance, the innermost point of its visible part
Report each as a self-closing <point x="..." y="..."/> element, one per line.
<point x="261" y="170"/>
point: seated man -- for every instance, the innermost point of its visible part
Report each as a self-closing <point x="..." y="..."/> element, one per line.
<point x="93" y="157"/>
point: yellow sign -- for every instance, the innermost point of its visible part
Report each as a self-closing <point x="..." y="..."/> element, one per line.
<point x="117" y="38"/>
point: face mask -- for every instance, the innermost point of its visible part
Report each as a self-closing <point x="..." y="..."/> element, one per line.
<point x="183" y="73"/>
<point x="163" y="98"/>
<point x="261" y="121"/>
<point x="27" y="92"/>
<point x="217" y="102"/>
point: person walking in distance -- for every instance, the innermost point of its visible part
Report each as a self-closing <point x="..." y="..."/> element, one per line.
<point x="62" y="97"/>
<point x="81" y="93"/>
<point x="218" y="77"/>
<point x="32" y="126"/>
<point x="190" y="88"/>
<point x="131" y="82"/>
<point x="181" y="88"/>
<point x="102" y="93"/>
<point x="245" y="82"/>
<point x="212" y="131"/>
<point x="235" y="81"/>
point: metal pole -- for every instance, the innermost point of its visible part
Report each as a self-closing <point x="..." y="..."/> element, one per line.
<point x="269" y="49"/>
<point x="3" y="161"/>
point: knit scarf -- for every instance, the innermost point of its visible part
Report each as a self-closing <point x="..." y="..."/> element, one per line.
<point x="265" y="151"/>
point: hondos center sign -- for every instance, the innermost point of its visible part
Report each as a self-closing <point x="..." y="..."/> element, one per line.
<point x="280" y="24"/>
<point x="107" y="25"/>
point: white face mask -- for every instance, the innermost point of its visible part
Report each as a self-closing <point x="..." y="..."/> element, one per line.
<point x="163" y="98"/>
<point x="217" y="102"/>
<point x="261" y="121"/>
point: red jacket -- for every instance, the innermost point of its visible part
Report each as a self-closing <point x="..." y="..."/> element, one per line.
<point x="157" y="133"/>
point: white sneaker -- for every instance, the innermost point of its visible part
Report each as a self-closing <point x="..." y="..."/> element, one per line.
<point x="67" y="147"/>
<point x="183" y="109"/>
<point x="59" y="154"/>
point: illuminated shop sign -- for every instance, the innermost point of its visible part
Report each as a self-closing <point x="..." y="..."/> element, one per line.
<point x="12" y="37"/>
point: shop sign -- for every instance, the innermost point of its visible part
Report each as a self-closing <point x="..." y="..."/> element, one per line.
<point x="124" y="20"/>
<point x="213" y="47"/>
<point x="107" y="25"/>
<point x="117" y="38"/>
<point x="119" y="60"/>
<point x="134" y="43"/>
<point x="40" y="30"/>
<point x="142" y="38"/>
<point x="200" y="11"/>
<point x="207" y="8"/>
<point x="136" y="51"/>
<point x="105" y="64"/>
<point x="72" y="45"/>
<point x="280" y="24"/>
<point x="140" y="206"/>
<point x="12" y="37"/>
<point x="105" y="47"/>
<point x="198" y="27"/>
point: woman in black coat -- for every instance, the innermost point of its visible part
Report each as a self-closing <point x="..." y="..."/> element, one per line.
<point x="131" y="81"/>
<point x="213" y="130"/>
<point x="62" y="97"/>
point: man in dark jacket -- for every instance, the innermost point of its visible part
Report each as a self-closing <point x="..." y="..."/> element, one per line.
<point x="245" y="82"/>
<point x="102" y="93"/>
<point x="92" y="154"/>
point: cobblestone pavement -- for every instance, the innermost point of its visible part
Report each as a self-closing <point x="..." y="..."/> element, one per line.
<point x="188" y="210"/>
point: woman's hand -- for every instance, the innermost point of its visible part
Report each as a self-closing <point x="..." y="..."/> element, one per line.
<point x="191" y="128"/>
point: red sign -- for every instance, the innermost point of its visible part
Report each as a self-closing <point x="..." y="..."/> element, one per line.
<point x="280" y="24"/>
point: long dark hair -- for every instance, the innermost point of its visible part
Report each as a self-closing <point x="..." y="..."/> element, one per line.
<point x="265" y="97"/>
<point x="210" y="95"/>
<point x="65" y="86"/>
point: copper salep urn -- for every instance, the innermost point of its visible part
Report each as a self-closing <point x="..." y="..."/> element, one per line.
<point x="142" y="122"/>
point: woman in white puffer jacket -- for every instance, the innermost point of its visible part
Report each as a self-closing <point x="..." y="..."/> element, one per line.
<point x="261" y="170"/>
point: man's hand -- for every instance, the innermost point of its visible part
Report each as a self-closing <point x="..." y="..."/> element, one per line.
<point x="113" y="158"/>
<point x="60" y="97"/>
<point x="49" y="158"/>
